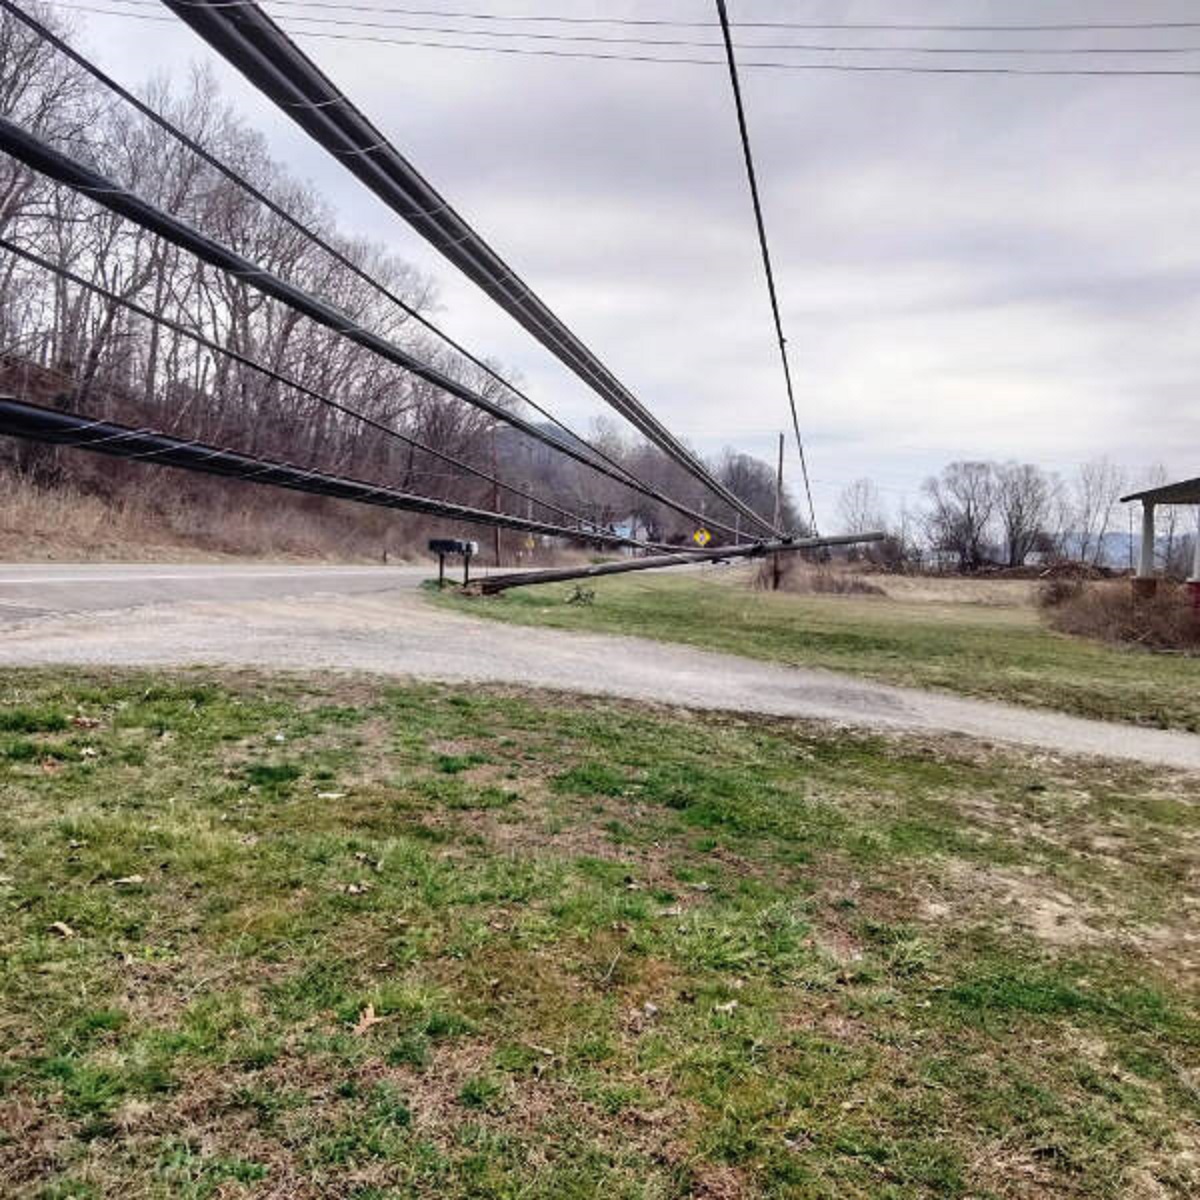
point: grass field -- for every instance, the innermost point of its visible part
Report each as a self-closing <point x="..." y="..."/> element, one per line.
<point x="287" y="938"/>
<point x="993" y="651"/>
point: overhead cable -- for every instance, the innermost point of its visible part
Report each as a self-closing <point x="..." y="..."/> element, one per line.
<point x="692" y="43"/>
<point x="652" y="21"/>
<point x="286" y="380"/>
<point x="32" y="421"/>
<point x="686" y="60"/>
<point x="250" y="41"/>
<point x="242" y="182"/>
<point x="38" y="155"/>
<point x="760" y="224"/>
<point x="626" y="476"/>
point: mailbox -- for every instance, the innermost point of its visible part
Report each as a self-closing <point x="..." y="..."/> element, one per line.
<point x="443" y="546"/>
<point x="453" y="546"/>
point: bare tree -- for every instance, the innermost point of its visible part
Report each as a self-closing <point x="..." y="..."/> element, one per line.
<point x="1024" y="504"/>
<point x="42" y="92"/>
<point x="1096" y="489"/>
<point x="860" y="510"/>
<point x="753" y="481"/>
<point x="961" y="504"/>
<point x="901" y="550"/>
<point x="860" y="507"/>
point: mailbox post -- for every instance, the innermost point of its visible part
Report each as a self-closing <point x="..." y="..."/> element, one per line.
<point x="443" y="546"/>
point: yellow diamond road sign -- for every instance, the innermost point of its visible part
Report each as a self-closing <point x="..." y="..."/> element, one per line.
<point x="701" y="537"/>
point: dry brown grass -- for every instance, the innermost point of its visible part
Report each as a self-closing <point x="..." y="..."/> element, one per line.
<point x="170" y="519"/>
<point x="809" y="579"/>
<point x="142" y="524"/>
<point x="801" y="577"/>
<point x="958" y="589"/>
<point x="1110" y="612"/>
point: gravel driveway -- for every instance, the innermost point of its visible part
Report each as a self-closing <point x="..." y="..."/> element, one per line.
<point x="395" y="632"/>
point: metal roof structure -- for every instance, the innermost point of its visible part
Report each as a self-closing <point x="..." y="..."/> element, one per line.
<point x="1186" y="491"/>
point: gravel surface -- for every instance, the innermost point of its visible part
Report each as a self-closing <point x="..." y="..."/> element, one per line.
<point x="374" y="619"/>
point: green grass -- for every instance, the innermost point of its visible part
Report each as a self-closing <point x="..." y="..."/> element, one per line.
<point x="992" y="652"/>
<point x="285" y="937"/>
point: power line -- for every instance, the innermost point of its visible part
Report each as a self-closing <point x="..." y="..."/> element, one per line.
<point x="760" y="223"/>
<point x="606" y="464"/>
<point x="250" y="41"/>
<point x="685" y="60"/>
<point x="646" y="21"/>
<point x="626" y="476"/>
<point x="34" y="153"/>
<point x="287" y="381"/>
<point x="18" y="419"/>
<point x="693" y="43"/>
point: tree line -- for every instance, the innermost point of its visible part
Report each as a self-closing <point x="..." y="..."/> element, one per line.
<point x="976" y="515"/>
<point x="61" y="344"/>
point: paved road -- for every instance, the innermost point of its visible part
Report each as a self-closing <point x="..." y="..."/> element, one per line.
<point x="32" y="590"/>
<point x="373" y="619"/>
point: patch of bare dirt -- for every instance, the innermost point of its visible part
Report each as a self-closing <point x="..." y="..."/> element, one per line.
<point x="718" y="1183"/>
<point x="1027" y="901"/>
<point x="1014" y="1172"/>
<point x="1023" y="899"/>
<point x="454" y="747"/>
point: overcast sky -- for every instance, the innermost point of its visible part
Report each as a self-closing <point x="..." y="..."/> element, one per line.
<point x="969" y="266"/>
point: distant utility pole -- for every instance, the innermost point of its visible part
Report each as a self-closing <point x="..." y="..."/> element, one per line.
<point x="495" y="496"/>
<point x="778" y="511"/>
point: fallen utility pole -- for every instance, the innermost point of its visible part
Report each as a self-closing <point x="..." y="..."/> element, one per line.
<point x="491" y="584"/>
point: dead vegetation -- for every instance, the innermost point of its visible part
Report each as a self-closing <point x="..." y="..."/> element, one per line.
<point x="976" y="590"/>
<point x="157" y="523"/>
<point x="804" y="578"/>
<point x="171" y="517"/>
<point x="1110" y="612"/>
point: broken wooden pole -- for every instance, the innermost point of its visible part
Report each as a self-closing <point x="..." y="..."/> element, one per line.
<point x="491" y="584"/>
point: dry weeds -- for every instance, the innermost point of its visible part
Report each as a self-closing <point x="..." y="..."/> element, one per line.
<point x="1110" y="612"/>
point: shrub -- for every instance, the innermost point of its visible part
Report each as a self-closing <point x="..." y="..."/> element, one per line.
<point x="1111" y="613"/>
<point x="1057" y="590"/>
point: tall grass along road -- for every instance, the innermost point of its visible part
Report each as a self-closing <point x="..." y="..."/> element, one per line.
<point x="266" y="936"/>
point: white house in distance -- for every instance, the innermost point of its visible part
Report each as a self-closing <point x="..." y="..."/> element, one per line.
<point x="1187" y="491"/>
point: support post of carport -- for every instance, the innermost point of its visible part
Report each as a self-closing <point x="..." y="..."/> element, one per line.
<point x="1145" y="584"/>
<point x="1194" y="578"/>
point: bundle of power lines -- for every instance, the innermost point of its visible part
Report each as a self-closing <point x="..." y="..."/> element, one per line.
<point x="827" y="46"/>
<point x="264" y="53"/>
<point x="253" y="43"/>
